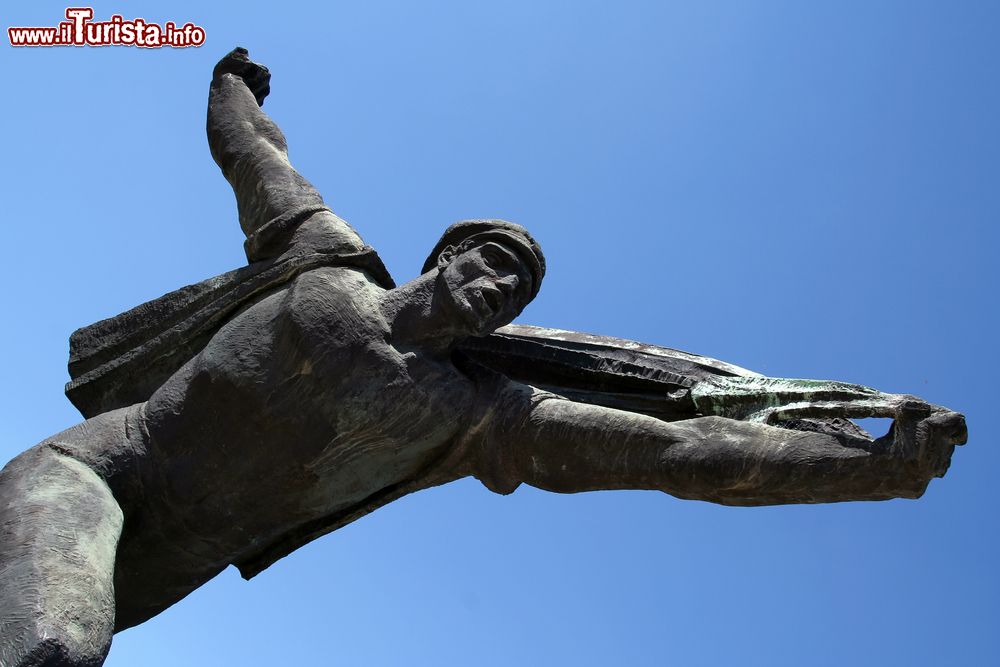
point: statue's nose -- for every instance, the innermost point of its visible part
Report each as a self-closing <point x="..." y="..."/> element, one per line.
<point x="507" y="285"/>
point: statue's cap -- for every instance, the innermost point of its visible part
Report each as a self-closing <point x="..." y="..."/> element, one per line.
<point x="508" y="234"/>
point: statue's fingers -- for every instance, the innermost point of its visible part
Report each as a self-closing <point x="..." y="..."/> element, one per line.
<point x="949" y="427"/>
<point x="235" y="62"/>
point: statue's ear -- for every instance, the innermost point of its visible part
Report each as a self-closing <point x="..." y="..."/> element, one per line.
<point x="445" y="256"/>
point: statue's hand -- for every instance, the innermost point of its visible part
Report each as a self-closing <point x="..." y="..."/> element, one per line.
<point x="927" y="435"/>
<point x="938" y="436"/>
<point x="256" y="77"/>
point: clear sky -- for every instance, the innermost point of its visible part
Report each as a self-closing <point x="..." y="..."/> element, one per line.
<point x="804" y="189"/>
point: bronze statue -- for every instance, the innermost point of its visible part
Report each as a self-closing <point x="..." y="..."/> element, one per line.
<point x="235" y="420"/>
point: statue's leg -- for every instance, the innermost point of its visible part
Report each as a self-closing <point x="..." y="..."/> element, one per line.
<point x="59" y="529"/>
<point x="569" y="447"/>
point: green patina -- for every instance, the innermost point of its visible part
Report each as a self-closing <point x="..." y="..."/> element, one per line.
<point x="768" y="400"/>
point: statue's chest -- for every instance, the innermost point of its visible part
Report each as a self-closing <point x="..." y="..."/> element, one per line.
<point x="337" y="425"/>
<point x="402" y="400"/>
<point x="357" y="387"/>
<point x="387" y="421"/>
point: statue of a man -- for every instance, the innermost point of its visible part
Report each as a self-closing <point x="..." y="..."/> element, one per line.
<point x="331" y="393"/>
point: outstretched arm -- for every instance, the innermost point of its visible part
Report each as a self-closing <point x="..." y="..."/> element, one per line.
<point x="566" y="447"/>
<point x="272" y="197"/>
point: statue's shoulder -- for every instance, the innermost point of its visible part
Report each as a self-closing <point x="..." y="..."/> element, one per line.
<point x="345" y="282"/>
<point x="330" y="289"/>
<point x="335" y="305"/>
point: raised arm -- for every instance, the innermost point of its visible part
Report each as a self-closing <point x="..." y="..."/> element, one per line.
<point x="566" y="447"/>
<point x="272" y="197"/>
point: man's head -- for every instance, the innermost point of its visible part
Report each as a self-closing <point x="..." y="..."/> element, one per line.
<point x="488" y="270"/>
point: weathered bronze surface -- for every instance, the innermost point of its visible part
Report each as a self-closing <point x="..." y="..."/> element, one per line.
<point x="232" y="421"/>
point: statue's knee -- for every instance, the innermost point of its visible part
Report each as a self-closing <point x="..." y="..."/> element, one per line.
<point x="48" y="648"/>
<point x="60" y="526"/>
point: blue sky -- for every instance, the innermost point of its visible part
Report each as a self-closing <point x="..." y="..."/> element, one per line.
<point x="804" y="189"/>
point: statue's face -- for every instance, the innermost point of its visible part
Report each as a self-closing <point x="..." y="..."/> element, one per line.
<point x="487" y="284"/>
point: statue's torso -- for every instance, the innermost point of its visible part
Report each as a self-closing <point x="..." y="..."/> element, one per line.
<point x="299" y="407"/>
